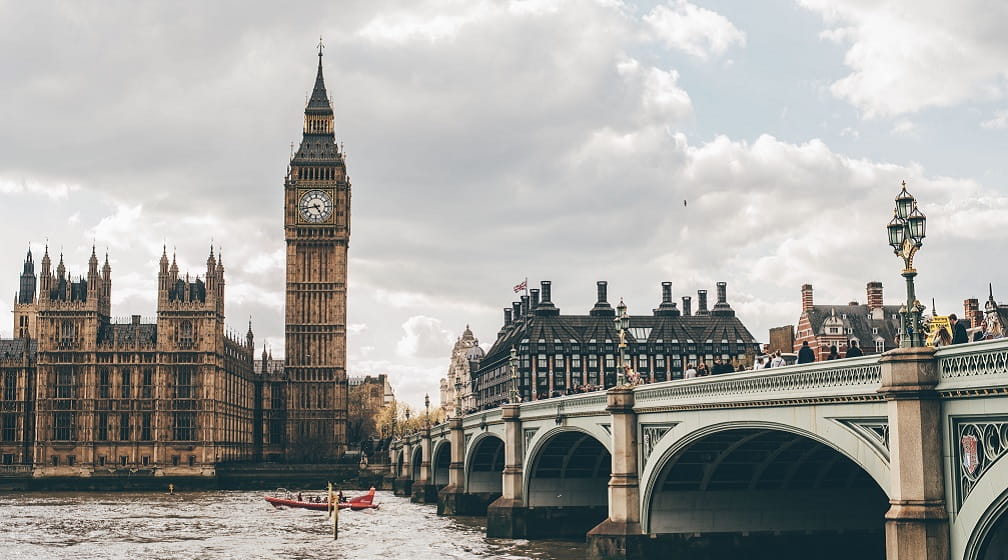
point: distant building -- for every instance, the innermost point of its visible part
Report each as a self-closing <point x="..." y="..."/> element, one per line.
<point x="465" y="360"/>
<point x="873" y="326"/>
<point x="367" y="396"/>
<point x="781" y="339"/>
<point x="560" y="354"/>
<point x="992" y="322"/>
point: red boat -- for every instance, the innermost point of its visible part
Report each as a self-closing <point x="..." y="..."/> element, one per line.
<point x="321" y="502"/>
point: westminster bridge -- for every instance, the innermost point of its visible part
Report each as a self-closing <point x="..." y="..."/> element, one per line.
<point x="894" y="455"/>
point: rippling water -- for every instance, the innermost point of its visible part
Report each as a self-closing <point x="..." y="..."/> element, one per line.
<point x="230" y="524"/>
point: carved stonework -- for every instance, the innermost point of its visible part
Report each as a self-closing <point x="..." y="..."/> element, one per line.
<point x="651" y="434"/>
<point x="529" y="434"/>
<point x="607" y="428"/>
<point x="978" y="443"/>
<point x="875" y="431"/>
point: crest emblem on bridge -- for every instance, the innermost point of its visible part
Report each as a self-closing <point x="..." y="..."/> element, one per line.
<point x="970" y="456"/>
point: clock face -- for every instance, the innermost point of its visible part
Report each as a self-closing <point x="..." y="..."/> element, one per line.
<point x="315" y="206"/>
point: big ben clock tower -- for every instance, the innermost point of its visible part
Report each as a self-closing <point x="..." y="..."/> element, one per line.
<point x="317" y="230"/>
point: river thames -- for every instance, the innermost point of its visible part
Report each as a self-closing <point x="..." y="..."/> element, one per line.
<point x="240" y="524"/>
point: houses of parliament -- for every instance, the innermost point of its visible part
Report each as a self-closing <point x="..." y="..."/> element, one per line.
<point x="86" y="395"/>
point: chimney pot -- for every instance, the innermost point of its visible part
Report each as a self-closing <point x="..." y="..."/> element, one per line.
<point x="702" y="302"/>
<point x="507" y="316"/>
<point x="534" y="299"/>
<point x="547" y="297"/>
<point x="806" y="297"/>
<point x="687" y="306"/>
<point x="666" y="292"/>
<point x="602" y="288"/>
<point x="722" y="292"/>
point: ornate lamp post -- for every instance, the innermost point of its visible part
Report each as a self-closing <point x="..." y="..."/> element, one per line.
<point x="426" y="404"/>
<point x="513" y="363"/>
<point x="622" y="321"/>
<point x="407" y="426"/>
<point x="458" y="396"/>
<point x="906" y="233"/>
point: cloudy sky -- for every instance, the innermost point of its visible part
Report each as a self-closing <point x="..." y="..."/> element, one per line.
<point x="491" y="141"/>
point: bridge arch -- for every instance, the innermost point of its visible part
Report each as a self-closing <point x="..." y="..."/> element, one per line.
<point x="566" y="482"/>
<point x="440" y="460"/>
<point x="484" y="464"/>
<point x="398" y="460"/>
<point x="980" y="529"/>
<point x="416" y="457"/>
<point x="737" y="486"/>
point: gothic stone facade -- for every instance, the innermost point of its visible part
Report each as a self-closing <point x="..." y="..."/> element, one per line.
<point x="85" y="395"/>
<point x="465" y="359"/>
<point x="317" y="229"/>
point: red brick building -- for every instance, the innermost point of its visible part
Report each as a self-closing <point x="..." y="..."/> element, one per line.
<point x="873" y="325"/>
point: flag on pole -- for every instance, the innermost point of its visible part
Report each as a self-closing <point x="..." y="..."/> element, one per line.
<point x="522" y="286"/>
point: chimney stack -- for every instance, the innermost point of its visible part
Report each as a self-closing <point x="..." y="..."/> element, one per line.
<point x="721" y="308"/>
<point x="874" y="295"/>
<point x="546" y="306"/>
<point x="507" y="316"/>
<point x="971" y="311"/>
<point x="602" y="307"/>
<point x="535" y="299"/>
<point x="524" y="305"/>
<point x="516" y="311"/>
<point x="667" y="307"/>
<point x="806" y="297"/>
<point x="702" y="303"/>
<point x="687" y="307"/>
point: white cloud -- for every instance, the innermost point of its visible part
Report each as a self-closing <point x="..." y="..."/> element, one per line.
<point x="694" y="30"/>
<point x="424" y="337"/>
<point x="907" y="55"/>
<point x="999" y="121"/>
<point x="51" y="190"/>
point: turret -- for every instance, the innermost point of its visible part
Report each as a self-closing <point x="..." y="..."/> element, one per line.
<point x="26" y="293"/>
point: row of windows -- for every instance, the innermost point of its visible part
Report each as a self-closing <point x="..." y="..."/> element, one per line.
<point x="123" y="461"/>
<point x="64" y="426"/>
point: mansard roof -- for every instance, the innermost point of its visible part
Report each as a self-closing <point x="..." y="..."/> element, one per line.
<point x="859" y="319"/>
<point x="583" y="329"/>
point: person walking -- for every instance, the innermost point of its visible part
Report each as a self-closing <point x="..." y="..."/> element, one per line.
<point x="833" y="354"/>
<point x="853" y="351"/>
<point x="959" y="335"/>
<point x="690" y="372"/>
<point x="805" y="354"/>
<point x="777" y="361"/>
<point x="702" y="370"/>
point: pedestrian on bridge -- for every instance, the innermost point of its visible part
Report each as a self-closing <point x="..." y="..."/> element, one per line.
<point x="805" y="354"/>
